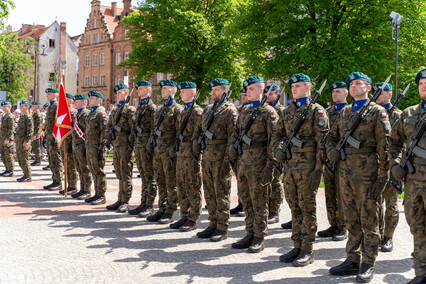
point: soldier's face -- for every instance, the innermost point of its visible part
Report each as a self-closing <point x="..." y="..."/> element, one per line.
<point x="77" y="104"/>
<point x="69" y="101"/>
<point x="244" y="98"/>
<point x="51" y="96"/>
<point x="94" y="101"/>
<point x="34" y="107"/>
<point x="217" y="91"/>
<point x="143" y="91"/>
<point x="359" y="89"/>
<point x="422" y="88"/>
<point x="384" y="98"/>
<point x="167" y="91"/>
<point x="6" y="108"/>
<point x="122" y="94"/>
<point x="187" y="95"/>
<point x="300" y="89"/>
<point x="23" y="108"/>
<point x="272" y="96"/>
<point x="339" y="95"/>
<point x="255" y="91"/>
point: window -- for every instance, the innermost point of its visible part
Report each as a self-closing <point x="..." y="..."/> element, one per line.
<point x="90" y="39"/>
<point x="125" y="34"/>
<point x="86" y="61"/>
<point x="94" y="60"/>
<point x="52" y="43"/>
<point x="97" y="38"/>
<point x="102" y="80"/>
<point x="117" y="80"/>
<point x="101" y="59"/>
<point x="117" y="58"/>
<point x="94" y="23"/>
<point x="126" y="56"/>
<point x="51" y="77"/>
<point x="86" y="81"/>
<point x="94" y="81"/>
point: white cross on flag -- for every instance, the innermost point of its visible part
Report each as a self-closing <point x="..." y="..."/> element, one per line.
<point x="63" y="123"/>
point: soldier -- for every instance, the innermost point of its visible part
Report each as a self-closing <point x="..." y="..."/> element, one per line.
<point x="362" y="176"/>
<point x="333" y="201"/>
<point x="188" y="174"/>
<point x="277" y="191"/>
<point x="303" y="169"/>
<point x="37" y="120"/>
<point x="118" y="131"/>
<point x="53" y="151"/>
<point x="162" y="138"/>
<point x="216" y="170"/>
<point x="255" y="169"/>
<point x="404" y="131"/>
<point x="96" y="123"/>
<point x="79" y="147"/>
<point x="6" y="140"/>
<point x="143" y="124"/>
<point x="24" y="133"/>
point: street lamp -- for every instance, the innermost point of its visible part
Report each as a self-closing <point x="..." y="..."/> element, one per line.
<point x="396" y="22"/>
<point x="43" y="46"/>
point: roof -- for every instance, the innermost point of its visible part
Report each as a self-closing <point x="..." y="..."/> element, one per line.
<point x="112" y="22"/>
<point x="31" y="31"/>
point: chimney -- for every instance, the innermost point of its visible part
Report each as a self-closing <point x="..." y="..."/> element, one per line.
<point x="114" y="9"/>
<point x="126" y="7"/>
<point x="63" y="41"/>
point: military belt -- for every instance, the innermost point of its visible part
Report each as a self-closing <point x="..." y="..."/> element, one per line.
<point x="123" y="133"/>
<point x="216" y="141"/>
<point x="303" y="150"/>
<point x="144" y="135"/>
<point x="167" y="135"/>
<point x="258" y="144"/>
<point x="185" y="143"/>
<point x="363" y="150"/>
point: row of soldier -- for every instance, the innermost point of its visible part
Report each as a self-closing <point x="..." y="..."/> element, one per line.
<point x="176" y="146"/>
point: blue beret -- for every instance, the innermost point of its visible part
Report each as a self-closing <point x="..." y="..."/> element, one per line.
<point x="420" y="75"/>
<point x="142" y="83"/>
<point x="120" y="87"/>
<point x="69" y="96"/>
<point x="273" y="86"/>
<point x="252" y="80"/>
<point x="337" y="85"/>
<point x="26" y="103"/>
<point x="217" y="82"/>
<point x="36" y="103"/>
<point x="80" y="97"/>
<point x="51" y="90"/>
<point x="378" y="85"/>
<point x="243" y="91"/>
<point x="167" y="83"/>
<point x="187" y="85"/>
<point x="6" y="103"/>
<point x="299" y="77"/>
<point x="46" y="105"/>
<point x="357" y="76"/>
<point x="95" y="94"/>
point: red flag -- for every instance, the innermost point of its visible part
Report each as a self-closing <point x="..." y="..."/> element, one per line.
<point x="63" y="123"/>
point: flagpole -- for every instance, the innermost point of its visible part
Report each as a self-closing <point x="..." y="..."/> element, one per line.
<point x="65" y="166"/>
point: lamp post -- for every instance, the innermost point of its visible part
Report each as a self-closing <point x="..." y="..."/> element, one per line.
<point x="396" y="22"/>
<point x="43" y="47"/>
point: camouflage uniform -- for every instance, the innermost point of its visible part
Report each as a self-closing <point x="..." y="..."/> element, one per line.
<point x="357" y="175"/>
<point x="164" y="168"/>
<point x="145" y="167"/>
<point x="188" y="173"/>
<point x="253" y="161"/>
<point x="72" y="174"/>
<point x="298" y="176"/>
<point x="96" y="123"/>
<point x="7" y="131"/>
<point x="24" y="133"/>
<point x="415" y="189"/>
<point x="79" y="151"/>
<point x="216" y="170"/>
<point x="122" y="152"/>
<point x="37" y="120"/>
<point x="53" y="151"/>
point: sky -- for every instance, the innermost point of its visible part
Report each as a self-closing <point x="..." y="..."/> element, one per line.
<point x="45" y="12"/>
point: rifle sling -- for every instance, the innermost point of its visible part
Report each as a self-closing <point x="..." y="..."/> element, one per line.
<point x="185" y="144"/>
<point x="363" y="150"/>
<point x="303" y="150"/>
<point x="167" y="135"/>
<point x="258" y="144"/>
<point x="216" y="141"/>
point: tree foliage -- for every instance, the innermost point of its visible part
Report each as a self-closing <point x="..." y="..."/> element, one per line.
<point x="5" y="6"/>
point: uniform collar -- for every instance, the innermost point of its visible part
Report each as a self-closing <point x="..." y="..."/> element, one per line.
<point x="170" y="102"/>
<point x="187" y="105"/>
<point x="244" y="104"/>
<point x="424" y="105"/>
<point x="120" y="104"/>
<point x="301" y="102"/>
<point x="254" y="104"/>
<point x="94" y="108"/>
<point x="339" y="106"/>
<point x="358" y="104"/>
<point x="52" y="102"/>
<point x="386" y="106"/>
<point x="144" y="101"/>
<point x="79" y="110"/>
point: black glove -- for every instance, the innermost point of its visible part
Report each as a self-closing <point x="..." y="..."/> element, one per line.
<point x="315" y="179"/>
<point x="52" y="142"/>
<point x="399" y="172"/>
<point x="232" y="153"/>
<point x="334" y="155"/>
<point x="280" y="155"/>
<point x="108" y="144"/>
<point x="267" y="174"/>
<point x="100" y="154"/>
<point x="69" y="148"/>
<point x="84" y="149"/>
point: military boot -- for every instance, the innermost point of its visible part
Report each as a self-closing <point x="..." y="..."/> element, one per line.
<point x="7" y="174"/>
<point x="287" y="226"/>
<point x="34" y="164"/>
<point x="77" y="194"/>
<point x="46" y="168"/>
<point x="218" y="236"/>
<point x="166" y="218"/>
<point x="290" y="256"/>
<point x="365" y="273"/>
<point x="90" y="199"/>
<point x="155" y="217"/>
<point x="188" y="226"/>
<point x="206" y="233"/>
<point x="24" y="179"/>
<point x="273" y="218"/>
<point x="48" y="186"/>
<point x="257" y="245"/>
<point x="147" y="211"/>
<point x="84" y="196"/>
<point x="418" y="280"/>
<point x="304" y="259"/>
<point x="340" y="235"/>
<point x="113" y="206"/>
<point x="327" y="233"/>
<point x="69" y="191"/>
<point x="137" y="210"/>
<point x="236" y="209"/>
<point x="3" y="173"/>
<point x="387" y="244"/>
<point x="98" y="200"/>
<point x="244" y="242"/>
<point x="56" y="185"/>
<point x="122" y="208"/>
<point x="345" y="268"/>
<point x="178" y="224"/>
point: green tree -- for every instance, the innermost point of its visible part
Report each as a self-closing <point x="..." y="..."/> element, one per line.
<point x="5" y="6"/>
<point x="188" y="39"/>
<point x="15" y="67"/>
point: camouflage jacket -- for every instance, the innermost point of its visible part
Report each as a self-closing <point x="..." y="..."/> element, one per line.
<point x="261" y="130"/>
<point x="80" y="120"/>
<point x="370" y="161"/>
<point x="401" y="133"/>
<point x="96" y="123"/>
<point x="24" y="130"/>
<point x="312" y="133"/>
<point x="395" y="115"/>
<point x="188" y="133"/>
<point x="50" y="118"/>
<point x="123" y="128"/>
<point x="146" y="123"/>
<point x="37" y="120"/>
<point x="222" y="128"/>
<point x="73" y="113"/>
<point x="7" y="128"/>
<point x="279" y="109"/>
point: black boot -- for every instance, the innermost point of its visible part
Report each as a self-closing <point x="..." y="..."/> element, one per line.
<point x="77" y="194"/>
<point x="155" y="217"/>
<point x="178" y="224"/>
<point x="218" y="236"/>
<point x="56" y="185"/>
<point x="236" y="209"/>
<point x="188" y="226"/>
<point x="327" y="233"/>
<point x="345" y="268"/>
<point x="137" y="210"/>
<point x="97" y="200"/>
<point x="257" y="245"/>
<point x="244" y="243"/>
<point x="7" y="174"/>
<point x="365" y="273"/>
<point x="34" y="164"/>
<point x="418" y="280"/>
<point x="24" y="179"/>
<point x="113" y="206"/>
<point x="340" y="235"/>
<point x="387" y="244"/>
<point x="84" y="196"/>
<point x="290" y="256"/>
<point x="206" y="233"/>
<point x="46" y="168"/>
<point x="304" y="259"/>
<point x="146" y="212"/>
<point x="122" y="208"/>
<point x="167" y="218"/>
<point x="273" y="218"/>
<point x="90" y="199"/>
<point x="287" y="226"/>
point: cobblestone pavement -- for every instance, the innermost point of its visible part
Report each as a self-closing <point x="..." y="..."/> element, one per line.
<point x="47" y="238"/>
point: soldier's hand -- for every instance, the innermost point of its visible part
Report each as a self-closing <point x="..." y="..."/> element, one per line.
<point x="100" y="154"/>
<point x="399" y="172"/>
<point x="267" y="174"/>
<point x="232" y="153"/>
<point x="315" y="179"/>
<point x="52" y="142"/>
<point x="378" y="188"/>
<point x="25" y="144"/>
<point x="334" y="155"/>
<point x="280" y="155"/>
<point x="6" y="141"/>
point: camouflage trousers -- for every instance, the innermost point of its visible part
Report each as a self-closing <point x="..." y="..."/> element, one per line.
<point x="72" y="174"/>
<point x="35" y="146"/>
<point x="217" y="190"/>
<point x="301" y="200"/>
<point x="255" y="198"/>
<point x="23" y="155"/>
<point x="55" y="159"/>
<point x="123" y="166"/>
<point x="188" y="181"/>
<point x="415" y="202"/>
<point x="362" y="219"/>
<point x="146" y="170"/>
<point x="7" y="157"/>
<point x="276" y="193"/>
<point x="389" y="214"/>
<point x="165" y="175"/>
<point x="79" y="157"/>
<point x="333" y="201"/>
<point x="96" y="167"/>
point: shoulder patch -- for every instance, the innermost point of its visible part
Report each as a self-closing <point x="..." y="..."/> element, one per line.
<point x="320" y="111"/>
<point x="384" y="114"/>
<point x="273" y="116"/>
<point x="29" y="118"/>
<point x="234" y="114"/>
<point x="132" y="110"/>
<point x="198" y="113"/>
<point x="103" y="115"/>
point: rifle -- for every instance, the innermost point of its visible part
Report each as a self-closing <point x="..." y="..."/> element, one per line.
<point x="279" y="96"/>
<point x="115" y="126"/>
<point x="207" y="134"/>
<point x="180" y="137"/>
<point x="412" y="147"/>
<point x="279" y="166"/>
<point x="137" y="129"/>
<point x="291" y="138"/>
<point x="353" y="125"/>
